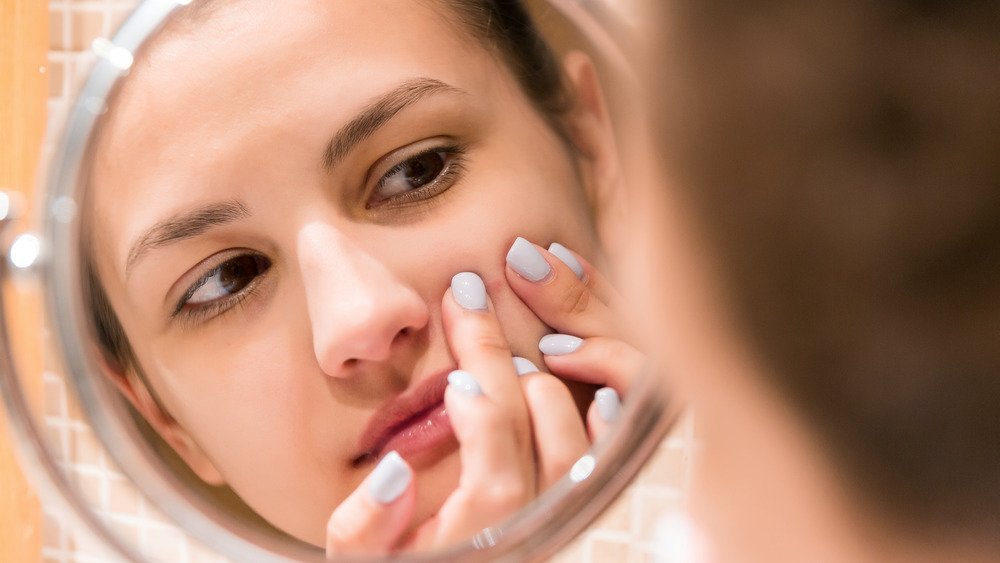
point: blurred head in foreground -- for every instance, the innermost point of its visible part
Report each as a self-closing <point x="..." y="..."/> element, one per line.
<point x="826" y="272"/>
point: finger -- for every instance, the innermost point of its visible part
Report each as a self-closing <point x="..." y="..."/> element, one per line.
<point x="480" y="347"/>
<point x="557" y="428"/>
<point x="552" y="290"/>
<point x="590" y="276"/>
<point x="603" y="413"/>
<point x="374" y="517"/>
<point x="494" y="483"/>
<point x="488" y="448"/>
<point x="597" y="360"/>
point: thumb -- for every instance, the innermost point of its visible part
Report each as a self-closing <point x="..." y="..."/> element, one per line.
<point x="374" y="517"/>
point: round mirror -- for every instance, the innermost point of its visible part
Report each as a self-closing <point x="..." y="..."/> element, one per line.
<point x="338" y="278"/>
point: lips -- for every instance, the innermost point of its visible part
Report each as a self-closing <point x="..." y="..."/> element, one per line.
<point x="413" y="424"/>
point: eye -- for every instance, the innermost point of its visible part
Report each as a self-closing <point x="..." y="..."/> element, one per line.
<point x="219" y="288"/>
<point x="429" y="172"/>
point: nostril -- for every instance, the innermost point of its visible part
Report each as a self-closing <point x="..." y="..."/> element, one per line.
<point x="401" y="335"/>
<point x="351" y="363"/>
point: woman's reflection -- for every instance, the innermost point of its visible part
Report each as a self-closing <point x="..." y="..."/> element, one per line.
<point x="283" y="194"/>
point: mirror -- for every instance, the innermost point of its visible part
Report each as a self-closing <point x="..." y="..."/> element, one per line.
<point x="295" y="245"/>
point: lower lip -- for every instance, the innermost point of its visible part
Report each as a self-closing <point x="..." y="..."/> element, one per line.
<point x="423" y="438"/>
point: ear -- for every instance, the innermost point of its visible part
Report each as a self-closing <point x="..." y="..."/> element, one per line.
<point x="136" y="391"/>
<point x="593" y="134"/>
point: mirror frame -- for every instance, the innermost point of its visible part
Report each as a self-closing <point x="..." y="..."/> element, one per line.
<point x="536" y="532"/>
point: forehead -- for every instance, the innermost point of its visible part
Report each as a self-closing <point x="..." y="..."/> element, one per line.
<point x="238" y="56"/>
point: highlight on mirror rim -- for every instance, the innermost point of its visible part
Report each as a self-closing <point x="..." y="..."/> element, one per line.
<point x="358" y="215"/>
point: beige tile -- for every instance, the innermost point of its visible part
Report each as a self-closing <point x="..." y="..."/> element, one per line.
<point x="57" y="18"/>
<point x="53" y="390"/>
<point x="54" y="441"/>
<point x="118" y="17"/>
<point x="650" y="509"/>
<point x="86" y="449"/>
<point x="73" y="410"/>
<point x="572" y="553"/>
<point x="618" y="517"/>
<point x="127" y="531"/>
<point x="56" y="74"/>
<point x="200" y="554"/>
<point x="85" y="26"/>
<point x="667" y="468"/>
<point x="123" y="498"/>
<point x="52" y="530"/>
<point x="602" y="550"/>
<point x="164" y="544"/>
<point x="89" y="486"/>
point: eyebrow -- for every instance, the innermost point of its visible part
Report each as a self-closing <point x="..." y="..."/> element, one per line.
<point x="184" y="226"/>
<point x="377" y="113"/>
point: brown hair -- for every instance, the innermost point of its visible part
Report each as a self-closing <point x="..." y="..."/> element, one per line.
<point x="844" y="160"/>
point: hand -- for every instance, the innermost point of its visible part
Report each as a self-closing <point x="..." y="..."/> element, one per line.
<point x="517" y="435"/>
<point x="568" y="294"/>
<point x="497" y="444"/>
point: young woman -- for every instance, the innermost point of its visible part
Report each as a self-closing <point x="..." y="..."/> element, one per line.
<point x="308" y="265"/>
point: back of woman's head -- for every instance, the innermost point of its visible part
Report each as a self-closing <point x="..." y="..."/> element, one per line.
<point x="844" y="158"/>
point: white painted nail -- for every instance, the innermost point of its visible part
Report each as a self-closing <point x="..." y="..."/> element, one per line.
<point x="525" y="259"/>
<point x="563" y="254"/>
<point x="559" y="344"/>
<point x="464" y="382"/>
<point x="609" y="406"/>
<point x="469" y="291"/>
<point x="524" y="365"/>
<point x="390" y="478"/>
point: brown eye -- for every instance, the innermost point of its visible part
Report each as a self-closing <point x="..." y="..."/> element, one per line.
<point x="226" y="279"/>
<point x="423" y="169"/>
<point x="412" y="173"/>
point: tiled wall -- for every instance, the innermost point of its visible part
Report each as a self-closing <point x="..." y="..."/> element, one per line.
<point x="623" y="534"/>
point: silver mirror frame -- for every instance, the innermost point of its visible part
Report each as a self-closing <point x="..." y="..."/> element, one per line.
<point x="533" y="534"/>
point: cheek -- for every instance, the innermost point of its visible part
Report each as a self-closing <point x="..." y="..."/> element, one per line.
<point x="240" y="396"/>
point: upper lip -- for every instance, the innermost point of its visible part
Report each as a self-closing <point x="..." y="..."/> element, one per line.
<point x="398" y="413"/>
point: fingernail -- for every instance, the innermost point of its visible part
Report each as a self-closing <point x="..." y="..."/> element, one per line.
<point x="563" y="254"/>
<point x="524" y="365"/>
<point x="525" y="259"/>
<point x="464" y="382"/>
<point x="609" y="406"/>
<point x="390" y="478"/>
<point x="469" y="291"/>
<point x="559" y="344"/>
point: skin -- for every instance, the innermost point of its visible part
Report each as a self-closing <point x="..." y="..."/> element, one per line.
<point x="269" y="396"/>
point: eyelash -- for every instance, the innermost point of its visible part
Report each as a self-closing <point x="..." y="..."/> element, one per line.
<point x="454" y="166"/>
<point x="217" y="307"/>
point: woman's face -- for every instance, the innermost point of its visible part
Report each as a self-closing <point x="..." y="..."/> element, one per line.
<point x="282" y="195"/>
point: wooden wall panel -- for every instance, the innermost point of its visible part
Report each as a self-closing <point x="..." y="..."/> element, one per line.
<point x="23" y="91"/>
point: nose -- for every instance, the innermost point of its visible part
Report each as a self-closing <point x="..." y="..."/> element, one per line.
<point x="358" y="309"/>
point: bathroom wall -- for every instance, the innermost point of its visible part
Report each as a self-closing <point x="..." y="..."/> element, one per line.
<point x="622" y="535"/>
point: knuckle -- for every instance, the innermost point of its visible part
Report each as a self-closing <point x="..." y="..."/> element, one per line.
<point x="557" y="468"/>
<point x="547" y="387"/>
<point x="494" y="420"/>
<point x="338" y="535"/>
<point x="616" y="348"/>
<point x="576" y="300"/>
<point x="503" y="495"/>
<point x="490" y="341"/>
